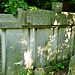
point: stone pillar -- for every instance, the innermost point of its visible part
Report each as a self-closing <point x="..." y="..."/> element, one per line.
<point x="19" y="16"/>
<point x="0" y="55"/>
<point x="22" y="16"/>
<point x="3" y="42"/>
<point x="57" y="7"/>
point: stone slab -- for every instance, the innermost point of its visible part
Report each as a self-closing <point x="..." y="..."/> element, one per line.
<point x="72" y="66"/>
<point x="64" y="44"/>
<point x="8" y="21"/>
<point x="44" y="47"/>
<point x="40" y="17"/>
<point x="16" y="46"/>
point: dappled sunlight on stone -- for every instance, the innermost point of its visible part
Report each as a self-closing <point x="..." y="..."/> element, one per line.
<point x="32" y="40"/>
<point x="64" y="56"/>
<point x="23" y="41"/>
<point x="40" y="52"/>
<point x="64" y="44"/>
<point x="8" y="68"/>
<point x="49" y="48"/>
<point x="55" y="23"/>
<point x="28" y="59"/>
<point x="12" y="73"/>
<point x="66" y="40"/>
<point x="51" y="39"/>
<point x="13" y="47"/>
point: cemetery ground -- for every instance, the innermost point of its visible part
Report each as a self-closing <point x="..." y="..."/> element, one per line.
<point x="52" y="69"/>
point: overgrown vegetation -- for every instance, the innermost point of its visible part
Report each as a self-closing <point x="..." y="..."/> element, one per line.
<point x="11" y="6"/>
<point x="55" y="69"/>
<point x="26" y="72"/>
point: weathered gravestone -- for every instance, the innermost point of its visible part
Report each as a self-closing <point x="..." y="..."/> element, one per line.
<point x="57" y="7"/>
<point x="72" y="66"/>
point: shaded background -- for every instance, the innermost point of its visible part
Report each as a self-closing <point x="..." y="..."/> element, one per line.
<point x="68" y="5"/>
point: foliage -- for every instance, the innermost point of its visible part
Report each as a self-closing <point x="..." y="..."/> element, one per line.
<point x="13" y="5"/>
<point x="51" y="73"/>
<point x="2" y="2"/>
<point x="32" y="7"/>
<point x="47" y="5"/>
<point x="57" y="67"/>
<point x="26" y="72"/>
<point x="44" y="73"/>
<point x="39" y="69"/>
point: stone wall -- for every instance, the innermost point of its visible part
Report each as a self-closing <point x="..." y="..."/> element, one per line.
<point x="35" y="47"/>
<point x="34" y="38"/>
<point x="42" y="17"/>
<point x="38" y="17"/>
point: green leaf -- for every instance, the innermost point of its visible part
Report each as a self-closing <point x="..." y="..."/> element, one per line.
<point x="62" y="67"/>
<point x="58" y="66"/>
<point x="54" y="67"/>
<point x="10" y="12"/>
<point x="22" y="73"/>
<point x="13" y="12"/>
<point x="21" y="5"/>
<point x="57" y="69"/>
<point x="28" y="73"/>
<point x="6" y="10"/>
<point x="2" y="4"/>
<point x="13" y="5"/>
<point x="26" y="7"/>
<point x="16" y="61"/>
<point x="6" y="5"/>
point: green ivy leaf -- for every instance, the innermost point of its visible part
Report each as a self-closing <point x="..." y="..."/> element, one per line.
<point x="54" y="67"/>
<point x="21" y="5"/>
<point x="62" y="67"/>
<point x="28" y="73"/>
<point x="2" y="5"/>
<point x="22" y="73"/>
<point x="58" y="66"/>
<point x="13" y="5"/>
<point x="16" y="61"/>
<point x="6" y="10"/>
<point x="6" y="5"/>
<point x="13" y="12"/>
<point x="57" y="69"/>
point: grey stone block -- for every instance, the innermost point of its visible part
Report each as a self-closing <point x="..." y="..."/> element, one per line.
<point x="64" y="44"/>
<point x="16" y="46"/>
<point x="8" y="21"/>
<point x="72" y="66"/>
<point x="44" y="49"/>
<point x="57" y="7"/>
<point x="40" y="17"/>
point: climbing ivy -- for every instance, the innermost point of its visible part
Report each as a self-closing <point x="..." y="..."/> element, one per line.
<point x="13" y="5"/>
